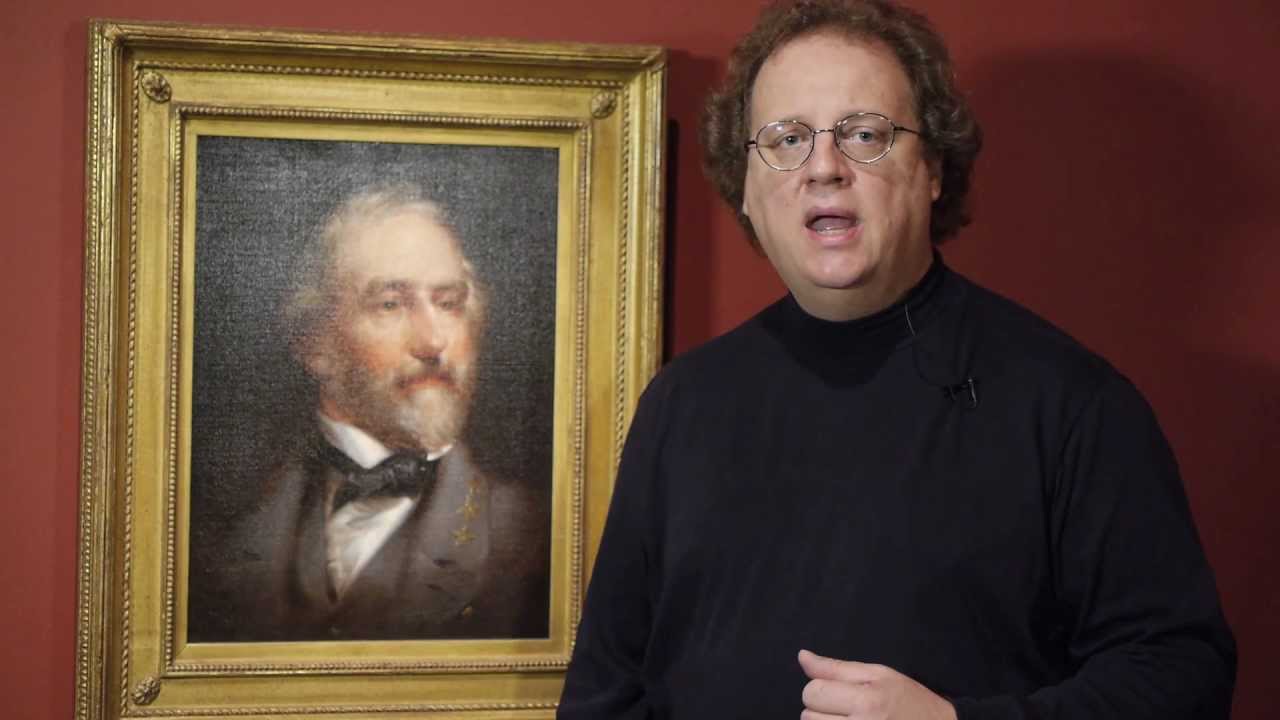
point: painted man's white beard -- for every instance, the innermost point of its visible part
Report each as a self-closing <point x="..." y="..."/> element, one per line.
<point x="429" y="419"/>
<point x="433" y="417"/>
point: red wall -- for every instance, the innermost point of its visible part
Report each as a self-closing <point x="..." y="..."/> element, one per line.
<point x="1128" y="192"/>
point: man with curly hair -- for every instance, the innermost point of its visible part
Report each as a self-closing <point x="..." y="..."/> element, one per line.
<point x="892" y="494"/>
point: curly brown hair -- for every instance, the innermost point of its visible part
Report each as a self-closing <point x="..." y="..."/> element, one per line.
<point x="950" y="132"/>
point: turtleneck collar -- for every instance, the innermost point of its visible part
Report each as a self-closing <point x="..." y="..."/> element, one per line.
<point x="881" y="331"/>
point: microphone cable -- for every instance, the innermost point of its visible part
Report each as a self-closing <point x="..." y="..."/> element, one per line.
<point x="962" y="392"/>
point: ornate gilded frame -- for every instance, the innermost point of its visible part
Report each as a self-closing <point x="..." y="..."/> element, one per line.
<point x="150" y="87"/>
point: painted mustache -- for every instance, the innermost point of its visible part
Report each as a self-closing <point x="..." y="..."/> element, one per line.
<point x="434" y="373"/>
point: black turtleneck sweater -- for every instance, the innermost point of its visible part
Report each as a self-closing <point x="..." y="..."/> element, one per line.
<point x="799" y="483"/>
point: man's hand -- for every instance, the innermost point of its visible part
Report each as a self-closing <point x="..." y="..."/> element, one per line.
<point x="840" y="689"/>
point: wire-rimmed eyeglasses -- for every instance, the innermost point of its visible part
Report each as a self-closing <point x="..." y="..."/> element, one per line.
<point x="863" y="137"/>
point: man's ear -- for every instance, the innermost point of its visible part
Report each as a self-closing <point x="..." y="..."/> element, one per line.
<point x="935" y="178"/>
<point x="314" y="354"/>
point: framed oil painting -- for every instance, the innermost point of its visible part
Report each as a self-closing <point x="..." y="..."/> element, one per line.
<point x="365" y="318"/>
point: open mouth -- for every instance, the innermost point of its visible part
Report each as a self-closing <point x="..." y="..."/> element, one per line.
<point x="830" y="221"/>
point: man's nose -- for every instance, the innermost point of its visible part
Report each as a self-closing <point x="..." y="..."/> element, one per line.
<point x="425" y="339"/>
<point x="826" y="163"/>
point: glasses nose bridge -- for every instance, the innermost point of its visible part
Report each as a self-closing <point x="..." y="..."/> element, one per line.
<point x="834" y="137"/>
<point x="813" y="140"/>
<point x="813" y="143"/>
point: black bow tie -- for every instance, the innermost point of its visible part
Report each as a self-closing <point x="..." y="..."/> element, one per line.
<point x="401" y="475"/>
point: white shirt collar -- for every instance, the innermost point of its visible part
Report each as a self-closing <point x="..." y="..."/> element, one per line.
<point x="359" y="445"/>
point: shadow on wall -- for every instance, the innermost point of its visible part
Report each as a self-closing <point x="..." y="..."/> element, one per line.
<point x="1121" y="200"/>
<point x="688" y="254"/>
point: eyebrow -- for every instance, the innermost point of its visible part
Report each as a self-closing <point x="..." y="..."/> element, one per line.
<point x="377" y="286"/>
<point x="844" y="116"/>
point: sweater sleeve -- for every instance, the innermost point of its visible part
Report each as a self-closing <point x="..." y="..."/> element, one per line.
<point x="604" y="679"/>
<point x="1141" y="620"/>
